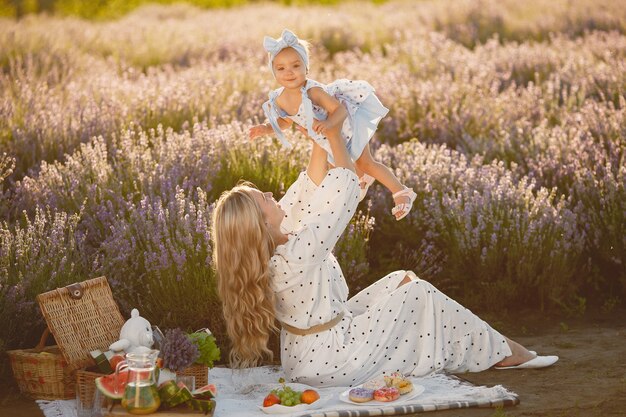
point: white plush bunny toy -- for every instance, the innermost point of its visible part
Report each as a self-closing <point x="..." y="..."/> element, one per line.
<point x="135" y="335"/>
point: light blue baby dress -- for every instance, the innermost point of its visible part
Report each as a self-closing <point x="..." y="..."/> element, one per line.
<point x="364" y="113"/>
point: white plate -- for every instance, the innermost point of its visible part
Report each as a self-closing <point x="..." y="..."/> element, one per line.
<point x="417" y="390"/>
<point x="283" y="409"/>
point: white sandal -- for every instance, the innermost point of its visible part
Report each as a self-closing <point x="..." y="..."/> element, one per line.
<point x="535" y="363"/>
<point x="367" y="180"/>
<point x="404" y="207"/>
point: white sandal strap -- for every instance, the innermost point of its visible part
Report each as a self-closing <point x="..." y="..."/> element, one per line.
<point x="368" y="180"/>
<point x="404" y="207"/>
<point x="400" y="207"/>
<point x="405" y="192"/>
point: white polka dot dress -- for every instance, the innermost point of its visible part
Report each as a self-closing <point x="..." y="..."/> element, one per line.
<point x="414" y="329"/>
<point x="364" y="109"/>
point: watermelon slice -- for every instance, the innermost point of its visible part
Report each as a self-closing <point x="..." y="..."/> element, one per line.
<point x="113" y="386"/>
<point x="173" y="394"/>
<point x="205" y="393"/>
<point x="205" y="406"/>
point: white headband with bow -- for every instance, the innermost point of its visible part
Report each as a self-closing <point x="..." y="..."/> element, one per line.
<point x="287" y="40"/>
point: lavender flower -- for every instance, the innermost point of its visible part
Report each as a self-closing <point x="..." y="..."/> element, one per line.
<point x="177" y="350"/>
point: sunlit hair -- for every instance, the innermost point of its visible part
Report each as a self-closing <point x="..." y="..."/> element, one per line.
<point x="242" y="247"/>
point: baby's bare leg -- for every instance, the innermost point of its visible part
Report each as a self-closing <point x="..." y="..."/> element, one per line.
<point x="382" y="173"/>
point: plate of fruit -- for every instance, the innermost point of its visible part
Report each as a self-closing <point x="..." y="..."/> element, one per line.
<point x="386" y="389"/>
<point x="291" y="398"/>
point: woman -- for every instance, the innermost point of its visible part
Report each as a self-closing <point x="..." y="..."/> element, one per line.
<point x="274" y="262"/>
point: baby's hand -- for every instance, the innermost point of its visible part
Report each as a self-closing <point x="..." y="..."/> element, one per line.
<point x="320" y="126"/>
<point x="257" y="130"/>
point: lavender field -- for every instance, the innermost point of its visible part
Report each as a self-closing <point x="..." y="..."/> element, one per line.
<point x="509" y="122"/>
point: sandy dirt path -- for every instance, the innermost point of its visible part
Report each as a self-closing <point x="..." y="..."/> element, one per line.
<point x="588" y="381"/>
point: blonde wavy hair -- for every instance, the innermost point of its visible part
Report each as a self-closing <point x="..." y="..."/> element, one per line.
<point x="242" y="248"/>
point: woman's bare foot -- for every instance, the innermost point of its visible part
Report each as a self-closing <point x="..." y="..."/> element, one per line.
<point x="519" y="355"/>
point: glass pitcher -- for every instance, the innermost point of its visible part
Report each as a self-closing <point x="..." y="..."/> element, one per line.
<point x="141" y="395"/>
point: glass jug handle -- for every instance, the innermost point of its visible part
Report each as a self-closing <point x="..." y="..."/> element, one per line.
<point x="119" y="367"/>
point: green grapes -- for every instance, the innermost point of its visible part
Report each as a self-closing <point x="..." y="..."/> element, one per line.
<point x="288" y="396"/>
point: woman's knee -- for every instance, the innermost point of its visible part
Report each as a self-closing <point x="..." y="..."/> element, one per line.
<point x="408" y="277"/>
<point x="405" y="280"/>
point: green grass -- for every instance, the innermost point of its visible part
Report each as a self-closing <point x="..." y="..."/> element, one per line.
<point x="112" y="9"/>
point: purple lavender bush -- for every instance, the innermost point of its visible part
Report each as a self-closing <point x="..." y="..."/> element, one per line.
<point x="116" y="139"/>
<point x="501" y="238"/>
<point x="584" y="161"/>
<point x="39" y="255"/>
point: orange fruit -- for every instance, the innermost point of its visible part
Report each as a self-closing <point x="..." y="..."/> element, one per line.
<point x="309" y="396"/>
<point x="115" y="359"/>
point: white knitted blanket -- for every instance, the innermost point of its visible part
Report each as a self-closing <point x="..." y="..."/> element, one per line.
<point x="240" y="393"/>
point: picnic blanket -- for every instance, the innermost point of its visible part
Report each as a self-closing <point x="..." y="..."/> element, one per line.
<point x="241" y="392"/>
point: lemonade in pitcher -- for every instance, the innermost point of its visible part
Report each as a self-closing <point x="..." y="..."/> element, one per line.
<point x="141" y="395"/>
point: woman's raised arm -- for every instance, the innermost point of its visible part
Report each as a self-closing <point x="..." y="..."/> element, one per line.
<point x="318" y="164"/>
<point x="339" y="149"/>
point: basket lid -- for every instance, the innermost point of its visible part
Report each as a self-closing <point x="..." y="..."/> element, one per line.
<point x="82" y="317"/>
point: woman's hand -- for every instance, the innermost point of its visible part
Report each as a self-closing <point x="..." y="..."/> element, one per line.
<point x="303" y="131"/>
<point x="259" y="130"/>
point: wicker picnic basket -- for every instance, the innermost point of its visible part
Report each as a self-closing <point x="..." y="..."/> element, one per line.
<point x="86" y="386"/>
<point x="42" y="373"/>
<point x="82" y="317"/>
<point x="199" y="372"/>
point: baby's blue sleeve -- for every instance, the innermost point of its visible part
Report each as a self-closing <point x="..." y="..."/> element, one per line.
<point x="272" y="116"/>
